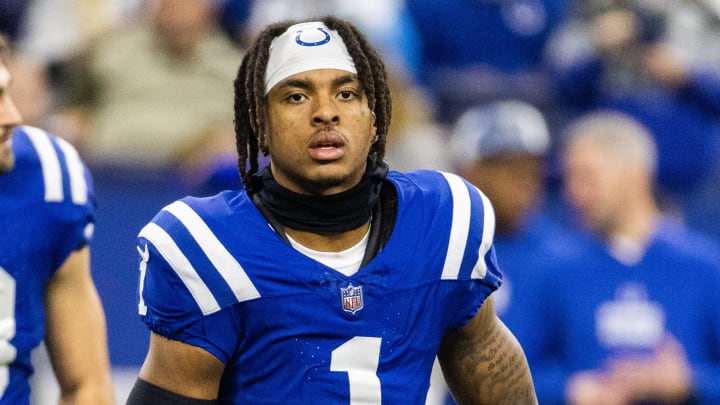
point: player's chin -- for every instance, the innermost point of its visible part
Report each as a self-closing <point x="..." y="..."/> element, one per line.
<point x="331" y="179"/>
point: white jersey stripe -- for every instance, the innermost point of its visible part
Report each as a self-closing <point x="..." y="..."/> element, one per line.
<point x="230" y="270"/>
<point x="180" y="263"/>
<point x="144" y="258"/>
<point x="52" y="175"/>
<point x="480" y="269"/>
<point x="76" y="172"/>
<point x="459" y="228"/>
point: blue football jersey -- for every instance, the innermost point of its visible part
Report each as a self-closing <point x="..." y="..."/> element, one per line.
<point x="601" y="308"/>
<point x="291" y="330"/>
<point x="47" y="212"/>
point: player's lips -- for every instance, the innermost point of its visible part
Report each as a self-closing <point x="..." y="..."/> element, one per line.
<point x="327" y="145"/>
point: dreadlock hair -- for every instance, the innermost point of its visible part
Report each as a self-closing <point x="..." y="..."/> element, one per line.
<point x="250" y="126"/>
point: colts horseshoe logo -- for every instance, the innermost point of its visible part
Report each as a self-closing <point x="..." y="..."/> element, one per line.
<point x="322" y="41"/>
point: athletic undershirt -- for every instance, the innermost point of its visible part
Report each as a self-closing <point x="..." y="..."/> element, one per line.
<point x="346" y="262"/>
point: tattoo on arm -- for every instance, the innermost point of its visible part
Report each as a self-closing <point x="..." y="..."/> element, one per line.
<point x="487" y="367"/>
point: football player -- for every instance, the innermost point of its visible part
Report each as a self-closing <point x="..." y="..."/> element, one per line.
<point x="46" y="288"/>
<point x="328" y="279"/>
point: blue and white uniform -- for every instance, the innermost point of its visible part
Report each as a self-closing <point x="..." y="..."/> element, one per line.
<point x="47" y="212"/>
<point x="601" y="308"/>
<point x="291" y="330"/>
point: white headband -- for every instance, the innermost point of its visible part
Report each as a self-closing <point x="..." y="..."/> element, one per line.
<point x="303" y="47"/>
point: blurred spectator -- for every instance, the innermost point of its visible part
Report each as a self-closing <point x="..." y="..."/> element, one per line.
<point x="54" y="30"/>
<point x="12" y="18"/>
<point x="637" y="319"/>
<point x="31" y="91"/>
<point x="501" y="148"/>
<point x="158" y="92"/>
<point x="482" y="50"/>
<point x="659" y="62"/>
<point x="233" y="16"/>
<point x="44" y="34"/>
<point x="415" y="140"/>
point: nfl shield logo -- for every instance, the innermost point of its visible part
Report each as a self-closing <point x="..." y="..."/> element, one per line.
<point x="352" y="298"/>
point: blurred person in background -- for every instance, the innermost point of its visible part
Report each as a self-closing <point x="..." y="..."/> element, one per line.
<point x="478" y="51"/>
<point x="637" y="319"/>
<point x="53" y="30"/>
<point x="46" y="288"/>
<point x="233" y="16"/>
<point x="153" y="93"/>
<point x="502" y="148"/>
<point x="659" y="62"/>
<point x="44" y="35"/>
<point x="12" y="17"/>
<point x="416" y="140"/>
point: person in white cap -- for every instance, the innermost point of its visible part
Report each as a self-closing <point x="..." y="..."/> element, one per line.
<point x="503" y="148"/>
<point x="327" y="279"/>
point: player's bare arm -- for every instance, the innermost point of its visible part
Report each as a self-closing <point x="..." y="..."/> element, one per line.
<point x="76" y="337"/>
<point x="484" y="364"/>
<point x="179" y="368"/>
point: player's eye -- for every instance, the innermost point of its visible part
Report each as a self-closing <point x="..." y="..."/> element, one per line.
<point x="296" y="97"/>
<point x="346" y="95"/>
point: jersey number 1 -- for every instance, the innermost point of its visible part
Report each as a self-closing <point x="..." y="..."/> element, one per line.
<point x="359" y="357"/>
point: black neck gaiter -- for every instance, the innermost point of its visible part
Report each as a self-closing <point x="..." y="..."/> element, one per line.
<point x="319" y="214"/>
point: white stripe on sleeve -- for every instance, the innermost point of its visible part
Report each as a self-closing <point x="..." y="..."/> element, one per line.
<point x="459" y="228"/>
<point x="480" y="269"/>
<point x="230" y="270"/>
<point x="52" y="175"/>
<point x="76" y="172"/>
<point x="177" y="260"/>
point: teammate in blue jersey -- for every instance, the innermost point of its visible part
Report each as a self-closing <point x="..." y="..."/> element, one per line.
<point x="46" y="290"/>
<point x="328" y="279"/>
